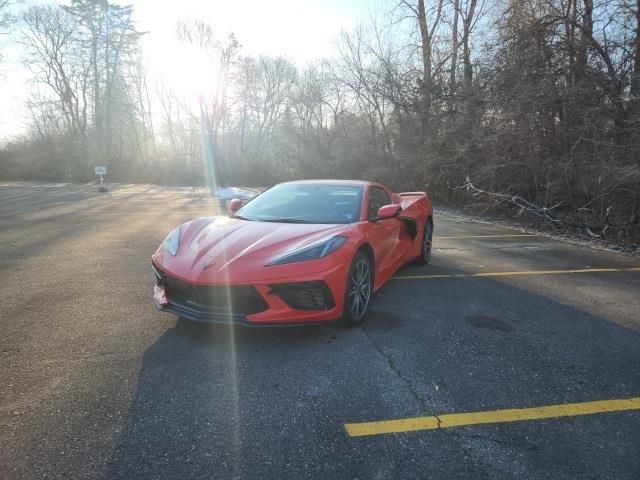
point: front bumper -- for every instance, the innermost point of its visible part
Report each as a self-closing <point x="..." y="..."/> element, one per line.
<point x="306" y="301"/>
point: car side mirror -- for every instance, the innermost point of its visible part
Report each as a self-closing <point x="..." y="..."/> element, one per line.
<point x="389" y="211"/>
<point x="235" y="205"/>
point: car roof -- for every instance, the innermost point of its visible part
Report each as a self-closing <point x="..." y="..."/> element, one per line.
<point x="354" y="183"/>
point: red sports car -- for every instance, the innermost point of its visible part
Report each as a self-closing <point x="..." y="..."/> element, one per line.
<point x="301" y="252"/>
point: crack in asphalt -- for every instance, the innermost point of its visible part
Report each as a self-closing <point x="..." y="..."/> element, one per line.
<point x="390" y="361"/>
<point x="423" y="405"/>
<point x="425" y="410"/>
<point x="439" y="422"/>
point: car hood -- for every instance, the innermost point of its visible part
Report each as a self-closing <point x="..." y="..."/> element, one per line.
<point x="227" y="240"/>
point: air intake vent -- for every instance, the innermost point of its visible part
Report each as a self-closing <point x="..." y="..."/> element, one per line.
<point x="239" y="299"/>
<point x="305" y="295"/>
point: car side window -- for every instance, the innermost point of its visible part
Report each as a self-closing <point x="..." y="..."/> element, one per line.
<point x="377" y="198"/>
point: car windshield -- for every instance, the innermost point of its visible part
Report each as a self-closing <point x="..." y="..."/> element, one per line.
<point x="305" y="203"/>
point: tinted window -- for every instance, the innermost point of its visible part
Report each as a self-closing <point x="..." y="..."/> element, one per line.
<point x="305" y="203"/>
<point x="377" y="198"/>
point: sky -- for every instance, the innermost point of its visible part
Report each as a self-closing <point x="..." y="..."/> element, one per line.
<point x="301" y="30"/>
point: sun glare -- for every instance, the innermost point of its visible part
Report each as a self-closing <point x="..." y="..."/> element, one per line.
<point x="191" y="73"/>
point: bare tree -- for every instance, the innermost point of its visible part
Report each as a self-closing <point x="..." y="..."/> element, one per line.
<point x="363" y="74"/>
<point x="57" y="62"/>
<point x="222" y="55"/>
<point x="429" y="18"/>
<point x="107" y="31"/>
<point x="7" y="20"/>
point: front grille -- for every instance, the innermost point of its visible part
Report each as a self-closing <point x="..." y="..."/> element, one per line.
<point x="238" y="299"/>
<point x="305" y="295"/>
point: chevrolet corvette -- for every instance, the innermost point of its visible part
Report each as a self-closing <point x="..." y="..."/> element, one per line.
<point x="301" y="252"/>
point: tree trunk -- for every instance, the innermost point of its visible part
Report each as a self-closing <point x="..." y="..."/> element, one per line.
<point x="634" y="107"/>
<point x="97" y="121"/>
<point x="582" y="56"/>
<point x="426" y="66"/>
<point x="466" y="50"/>
<point x="454" y="58"/>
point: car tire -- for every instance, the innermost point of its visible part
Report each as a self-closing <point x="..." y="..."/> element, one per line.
<point x="359" y="290"/>
<point x="426" y="246"/>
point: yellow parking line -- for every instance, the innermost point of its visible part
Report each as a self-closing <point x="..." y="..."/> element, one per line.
<point x="512" y="274"/>
<point x="437" y="237"/>
<point x="494" y="416"/>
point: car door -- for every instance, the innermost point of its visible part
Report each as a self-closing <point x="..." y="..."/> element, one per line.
<point x="384" y="235"/>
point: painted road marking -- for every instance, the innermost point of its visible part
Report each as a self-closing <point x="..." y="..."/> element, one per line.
<point x="437" y="237"/>
<point x="519" y="273"/>
<point x="437" y="422"/>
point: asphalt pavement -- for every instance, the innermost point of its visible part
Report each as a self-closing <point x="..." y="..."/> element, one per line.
<point x="95" y="383"/>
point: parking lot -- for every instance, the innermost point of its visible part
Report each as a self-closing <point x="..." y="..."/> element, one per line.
<point x="540" y="335"/>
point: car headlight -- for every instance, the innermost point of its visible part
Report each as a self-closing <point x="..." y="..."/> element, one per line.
<point x="311" y="252"/>
<point x="172" y="242"/>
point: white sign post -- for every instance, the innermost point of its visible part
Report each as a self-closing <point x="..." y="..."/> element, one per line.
<point x="101" y="170"/>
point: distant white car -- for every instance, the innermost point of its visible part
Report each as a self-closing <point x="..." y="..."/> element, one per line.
<point x="226" y="194"/>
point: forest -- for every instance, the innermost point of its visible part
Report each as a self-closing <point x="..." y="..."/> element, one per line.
<point x="528" y="106"/>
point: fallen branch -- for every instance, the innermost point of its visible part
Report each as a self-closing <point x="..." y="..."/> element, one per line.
<point x="517" y="200"/>
<point x="546" y="213"/>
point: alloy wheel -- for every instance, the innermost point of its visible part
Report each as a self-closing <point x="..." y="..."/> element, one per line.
<point x="427" y="242"/>
<point x="359" y="291"/>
